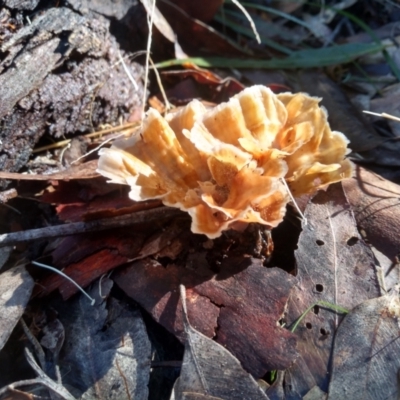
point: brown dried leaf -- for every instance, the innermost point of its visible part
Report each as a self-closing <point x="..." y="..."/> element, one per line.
<point x="159" y="21"/>
<point x="208" y="369"/>
<point x="15" y="291"/>
<point x="375" y="203"/>
<point x="334" y="266"/>
<point x="107" y="352"/>
<point x="244" y="302"/>
<point x="366" y="357"/>
<point x="194" y="35"/>
<point x="203" y="11"/>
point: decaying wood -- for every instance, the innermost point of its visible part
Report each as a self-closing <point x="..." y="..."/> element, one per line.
<point x="60" y="74"/>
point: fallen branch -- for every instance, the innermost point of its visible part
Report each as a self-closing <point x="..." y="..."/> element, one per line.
<point x="73" y="228"/>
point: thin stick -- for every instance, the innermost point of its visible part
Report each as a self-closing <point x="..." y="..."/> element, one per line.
<point x="89" y="135"/>
<point x="248" y="16"/>
<point x="134" y="84"/>
<point x="146" y="71"/>
<point x="36" y="345"/>
<point x="8" y="239"/>
<point x="294" y="201"/>
<point x="160" y="85"/>
<point x="383" y="115"/>
<point x="45" y="380"/>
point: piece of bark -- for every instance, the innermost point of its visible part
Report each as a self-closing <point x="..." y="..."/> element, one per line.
<point x="21" y="4"/>
<point x="240" y="307"/>
<point x="61" y="75"/>
<point x="116" y="9"/>
<point x="13" y="83"/>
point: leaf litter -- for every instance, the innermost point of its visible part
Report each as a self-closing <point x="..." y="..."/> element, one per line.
<point x="209" y="370"/>
<point x="334" y="266"/>
<point x="232" y="298"/>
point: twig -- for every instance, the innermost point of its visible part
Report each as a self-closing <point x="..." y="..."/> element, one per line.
<point x="36" y="345"/>
<point x="146" y="71"/>
<point x="89" y="135"/>
<point x="45" y="380"/>
<point x="8" y="239"/>
<point x="248" y="16"/>
<point x="42" y="379"/>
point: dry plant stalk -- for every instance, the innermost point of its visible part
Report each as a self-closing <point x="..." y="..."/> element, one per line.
<point x="225" y="165"/>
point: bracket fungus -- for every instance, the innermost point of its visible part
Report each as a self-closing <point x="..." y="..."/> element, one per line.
<point x="227" y="164"/>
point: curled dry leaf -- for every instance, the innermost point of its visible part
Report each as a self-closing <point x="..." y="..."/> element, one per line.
<point x="371" y="372"/>
<point x="227" y="165"/>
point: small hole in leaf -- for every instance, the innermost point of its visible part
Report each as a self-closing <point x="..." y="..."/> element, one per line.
<point x="316" y="310"/>
<point x="308" y="325"/>
<point x="323" y="332"/>
<point x="352" y="241"/>
<point x="319" y="288"/>
<point x="320" y="242"/>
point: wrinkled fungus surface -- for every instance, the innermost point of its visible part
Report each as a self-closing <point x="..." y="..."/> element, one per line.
<point x="228" y="164"/>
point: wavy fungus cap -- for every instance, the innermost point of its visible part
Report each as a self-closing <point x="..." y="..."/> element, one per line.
<point x="227" y="164"/>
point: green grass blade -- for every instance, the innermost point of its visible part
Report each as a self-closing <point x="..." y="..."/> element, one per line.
<point x="319" y="303"/>
<point x="308" y="58"/>
<point x="366" y="28"/>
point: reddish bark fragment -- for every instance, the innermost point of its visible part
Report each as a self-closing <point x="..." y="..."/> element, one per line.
<point x="84" y="272"/>
<point x="247" y="298"/>
<point x="84" y="201"/>
<point x="75" y="248"/>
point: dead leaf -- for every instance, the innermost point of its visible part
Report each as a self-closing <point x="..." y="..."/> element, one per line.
<point x="209" y="371"/>
<point x="15" y="291"/>
<point x="194" y="35"/>
<point x="159" y="21"/>
<point x="315" y="394"/>
<point x="4" y="255"/>
<point x="387" y="103"/>
<point x="106" y="354"/>
<point x="376" y="206"/>
<point x="203" y="11"/>
<point x="240" y="306"/>
<point x="366" y="356"/>
<point x="334" y="266"/>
